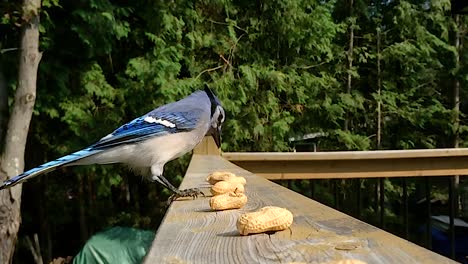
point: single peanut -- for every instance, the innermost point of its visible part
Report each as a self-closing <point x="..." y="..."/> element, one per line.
<point x="237" y="179"/>
<point x="225" y="187"/>
<point x="229" y="200"/>
<point x="268" y="218"/>
<point x="218" y="176"/>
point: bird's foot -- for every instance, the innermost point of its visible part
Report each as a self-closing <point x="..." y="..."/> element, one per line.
<point x="193" y="192"/>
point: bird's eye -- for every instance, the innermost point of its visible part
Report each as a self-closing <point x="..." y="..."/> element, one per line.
<point x="220" y="118"/>
<point x="220" y="115"/>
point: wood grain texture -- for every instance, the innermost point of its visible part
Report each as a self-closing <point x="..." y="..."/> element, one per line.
<point x="192" y="233"/>
<point x="354" y="164"/>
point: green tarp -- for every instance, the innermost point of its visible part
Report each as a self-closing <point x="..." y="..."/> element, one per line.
<point x="121" y="245"/>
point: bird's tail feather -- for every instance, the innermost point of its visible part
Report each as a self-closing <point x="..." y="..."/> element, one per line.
<point x="47" y="167"/>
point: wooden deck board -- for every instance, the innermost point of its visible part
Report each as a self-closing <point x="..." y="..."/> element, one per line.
<point x="192" y="233"/>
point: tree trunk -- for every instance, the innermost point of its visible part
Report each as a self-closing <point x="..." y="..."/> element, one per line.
<point x="3" y="106"/>
<point x="82" y="209"/>
<point x="379" y="87"/>
<point x="456" y="87"/>
<point x="12" y="162"/>
<point x="456" y="103"/>
<point x="350" y="59"/>
<point x="42" y="206"/>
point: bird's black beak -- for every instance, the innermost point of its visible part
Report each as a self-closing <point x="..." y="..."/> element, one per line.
<point x="216" y="133"/>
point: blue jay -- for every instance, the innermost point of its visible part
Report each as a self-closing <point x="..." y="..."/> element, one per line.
<point x="147" y="143"/>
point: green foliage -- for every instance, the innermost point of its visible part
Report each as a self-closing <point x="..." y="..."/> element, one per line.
<point x="280" y="68"/>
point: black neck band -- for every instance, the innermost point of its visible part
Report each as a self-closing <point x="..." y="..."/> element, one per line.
<point x="212" y="99"/>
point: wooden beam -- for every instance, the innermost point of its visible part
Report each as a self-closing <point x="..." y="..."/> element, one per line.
<point x="353" y="164"/>
<point x="192" y="233"/>
<point x="349" y="155"/>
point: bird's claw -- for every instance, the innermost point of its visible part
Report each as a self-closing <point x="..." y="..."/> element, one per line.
<point x="193" y="192"/>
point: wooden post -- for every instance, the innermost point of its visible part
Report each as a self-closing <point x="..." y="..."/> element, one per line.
<point x="207" y="147"/>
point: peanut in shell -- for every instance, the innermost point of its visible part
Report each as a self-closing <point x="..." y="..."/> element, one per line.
<point x="226" y="187"/>
<point x="269" y="218"/>
<point x="227" y="201"/>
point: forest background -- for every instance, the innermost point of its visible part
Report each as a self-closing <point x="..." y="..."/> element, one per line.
<point x="367" y="74"/>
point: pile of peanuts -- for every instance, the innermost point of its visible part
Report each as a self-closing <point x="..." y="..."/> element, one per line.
<point x="228" y="193"/>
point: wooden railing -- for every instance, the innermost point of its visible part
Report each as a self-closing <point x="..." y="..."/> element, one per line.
<point x="192" y="233"/>
<point x="353" y="164"/>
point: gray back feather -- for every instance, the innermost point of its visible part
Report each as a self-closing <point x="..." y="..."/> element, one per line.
<point x="197" y="100"/>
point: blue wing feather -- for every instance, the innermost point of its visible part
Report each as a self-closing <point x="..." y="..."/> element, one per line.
<point x="139" y="129"/>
